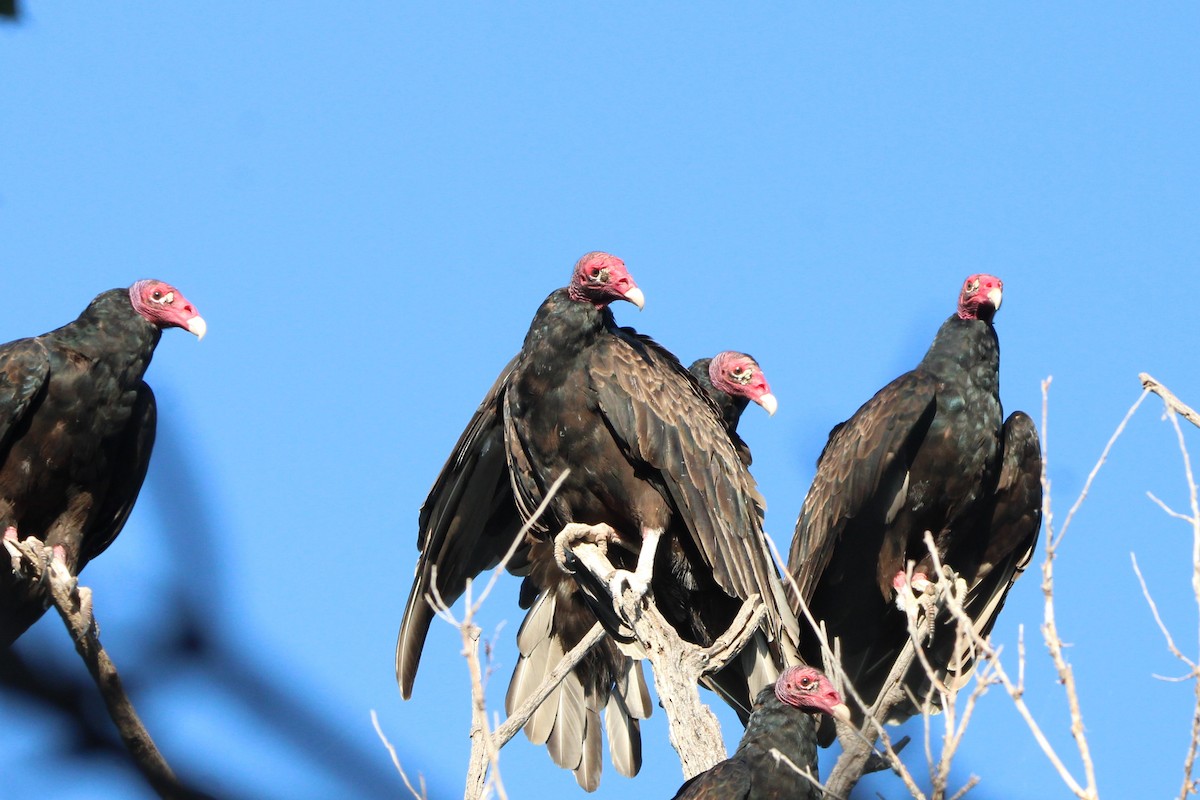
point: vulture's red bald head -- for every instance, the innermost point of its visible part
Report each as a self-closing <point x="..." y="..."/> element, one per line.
<point x="738" y="374"/>
<point x="600" y="278"/>
<point x="165" y="306"/>
<point x="807" y="688"/>
<point x="980" y="297"/>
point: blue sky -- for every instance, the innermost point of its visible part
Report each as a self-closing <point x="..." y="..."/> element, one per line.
<point x="368" y="202"/>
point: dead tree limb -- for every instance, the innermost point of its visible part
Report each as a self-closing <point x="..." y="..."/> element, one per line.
<point x="485" y="748"/>
<point x="677" y="665"/>
<point x="1175" y="408"/>
<point x="1173" y="402"/>
<point x="34" y="561"/>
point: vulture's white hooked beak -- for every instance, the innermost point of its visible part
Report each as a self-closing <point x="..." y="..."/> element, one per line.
<point x="768" y="402"/>
<point x="841" y="711"/>
<point x="636" y="297"/>
<point x="198" y="326"/>
<point x="994" y="297"/>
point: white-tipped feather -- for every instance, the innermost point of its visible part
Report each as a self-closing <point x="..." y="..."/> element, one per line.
<point x="758" y="666"/>
<point x="633" y="689"/>
<point x="535" y="628"/>
<point x="624" y="737"/>
<point x="533" y="641"/>
<point x="565" y="744"/>
<point x="587" y="774"/>
<point x="541" y="724"/>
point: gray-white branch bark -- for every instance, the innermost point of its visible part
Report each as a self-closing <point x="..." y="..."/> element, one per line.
<point x="678" y="665"/>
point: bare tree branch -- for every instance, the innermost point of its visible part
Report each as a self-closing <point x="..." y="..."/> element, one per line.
<point x="523" y="712"/>
<point x="1174" y="408"/>
<point x="1017" y="693"/>
<point x="34" y="561"/>
<point x="1173" y="402"/>
<point x="1050" y="634"/>
<point x="1175" y="651"/>
<point x="677" y="665"/>
<point x="485" y="749"/>
<point x="421" y="795"/>
<point x="1052" y="543"/>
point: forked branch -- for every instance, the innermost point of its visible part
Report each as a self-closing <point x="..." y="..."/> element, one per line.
<point x="677" y="665"/>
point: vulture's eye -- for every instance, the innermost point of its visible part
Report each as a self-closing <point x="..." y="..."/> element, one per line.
<point x="742" y="375"/>
<point x="157" y="295"/>
<point x="973" y="286"/>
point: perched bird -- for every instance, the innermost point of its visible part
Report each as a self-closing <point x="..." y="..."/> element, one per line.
<point x="732" y="380"/>
<point x="648" y="454"/>
<point x="76" y="430"/>
<point x="692" y="604"/>
<point x="927" y="453"/>
<point x="782" y="724"/>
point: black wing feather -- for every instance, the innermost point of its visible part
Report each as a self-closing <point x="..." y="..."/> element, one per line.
<point x="24" y="368"/>
<point x="864" y="463"/>
<point x="129" y="465"/>
<point x="467" y="523"/>
<point x="655" y="408"/>
<point x="1013" y="527"/>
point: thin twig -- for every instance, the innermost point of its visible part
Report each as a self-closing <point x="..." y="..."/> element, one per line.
<point x="396" y="759"/>
<point x="1169" y="511"/>
<point x="857" y="745"/>
<point x="1015" y="692"/>
<point x="971" y="783"/>
<point x="485" y="751"/>
<point x="520" y="537"/>
<point x="781" y="758"/>
<point x="1051" y="543"/>
<point x="1162" y="626"/>
<point x="1050" y="634"/>
<point x="517" y="719"/>
<point x="1174" y="408"/>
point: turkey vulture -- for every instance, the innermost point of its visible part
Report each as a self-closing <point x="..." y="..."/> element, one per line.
<point x="648" y="454"/>
<point x="783" y="721"/>
<point x="927" y="453"/>
<point x="694" y="605"/>
<point x="732" y="380"/>
<point x="76" y="429"/>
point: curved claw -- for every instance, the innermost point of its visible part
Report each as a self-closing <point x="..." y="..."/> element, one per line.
<point x="622" y="581"/>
